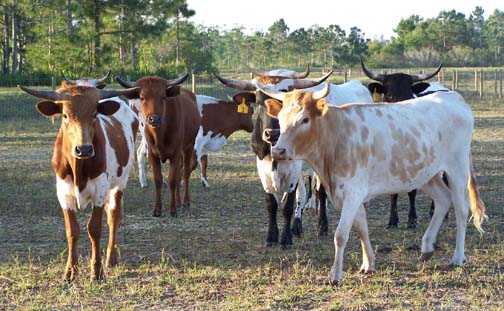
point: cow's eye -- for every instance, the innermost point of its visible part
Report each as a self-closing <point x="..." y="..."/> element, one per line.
<point x="65" y="116"/>
<point x="305" y="120"/>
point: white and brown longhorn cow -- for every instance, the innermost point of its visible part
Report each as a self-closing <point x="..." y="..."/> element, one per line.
<point x="360" y="151"/>
<point x="93" y="154"/>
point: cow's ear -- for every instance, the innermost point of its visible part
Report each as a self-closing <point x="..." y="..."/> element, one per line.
<point x="48" y="108"/>
<point x="108" y="107"/>
<point x="420" y="87"/>
<point x="321" y="107"/>
<point x="274" y="106"/>
<point x="375" y="87"/>
<point x="250" y="98"/>
<point x="173" y="91"/>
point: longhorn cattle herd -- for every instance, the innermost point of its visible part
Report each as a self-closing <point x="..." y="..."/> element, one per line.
<point x="352" y="148"/>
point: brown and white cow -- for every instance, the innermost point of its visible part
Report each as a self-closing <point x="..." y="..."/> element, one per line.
<point x="360" y="151"/>
<point x="220" y="119"/>
<point x="93" y="154"/>
<point x="172" y="122"/>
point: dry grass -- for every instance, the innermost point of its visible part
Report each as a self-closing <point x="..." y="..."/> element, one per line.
<point x="212" y="257"/>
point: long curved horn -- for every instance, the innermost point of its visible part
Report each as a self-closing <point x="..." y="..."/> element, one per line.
<point x="305" y="83"/>
<point x="124" y="83"/>
<point x="427" y="76"/>
<point x="237" y="84"/>
<point x="49" y="95"/>
<point x="177" y="81"/>
<point x="257" y="72"/>
<point x="322" y="93"/>
<point x="68" y="80"/>
<point x="104" y="79"/>
<point x="302" y="75"/>
<point x="276" y="95"/>
<point x="372" y="75"/>
<point x="113" y="93"/>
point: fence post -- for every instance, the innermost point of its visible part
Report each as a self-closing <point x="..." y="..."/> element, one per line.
<point x="495" y="83"/>
<point x="345" y="78"/>
<point x="500" y="84"/>
<point x="53" y="83"/>
<point x="453" y="81"/>
<point x="475" y="80"/>
<point x="456" y="79"/>
<point x="481" y="84"/>
<point x="193" y="77"/>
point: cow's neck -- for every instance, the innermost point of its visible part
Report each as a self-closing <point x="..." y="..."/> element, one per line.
<point x="330" y="155"/>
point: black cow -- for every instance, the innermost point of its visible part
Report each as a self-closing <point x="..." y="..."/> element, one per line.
<point x="397" y="87"/>
<point x="281" y="180"/>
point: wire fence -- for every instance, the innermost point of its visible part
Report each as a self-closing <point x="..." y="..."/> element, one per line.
<point x="474" y="83"/>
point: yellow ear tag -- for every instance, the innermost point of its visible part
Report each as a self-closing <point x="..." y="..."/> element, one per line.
<point x="376" y="96"/>
<point x="243" y="108"/>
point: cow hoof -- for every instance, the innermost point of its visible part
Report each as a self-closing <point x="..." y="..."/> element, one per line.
<point x="413" y="226"/>
<point x="297" y="228"/>
<point x="334" y="283"/>
<point x="426" y="256"/>
<point x="270" y="244"/>
<point x="173" y="214"/>
<point x="392" y="226"/>
<point x="287" y="246"/>
<point x="366" y="270"/>
<point x="156" y="214"/>
<point x="323" y="233"/>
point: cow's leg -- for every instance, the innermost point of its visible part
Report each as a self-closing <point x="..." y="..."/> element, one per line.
<point x="155" y="163"/>
<point x="188" y="167"/>
<point x="94" y="227"/>
<point x="114" y="220"/>
<point x="438" y="191"/>
<point x="323" y="223"/>
<point x="394" y="218"/>
<point x="204" y="164"/>
<point x="412" y="215"/>
<point x="348" y="213"/>
<point x="288" y="210"/>
<point x="361" y="226"/>
<point x="72" y="234"/>
<point x="174" y="185"/>
<point x="272" y="207"/>
<point x="142" y="163"/>
<point x="297" y="227"/>
<point x="460" y="201"/>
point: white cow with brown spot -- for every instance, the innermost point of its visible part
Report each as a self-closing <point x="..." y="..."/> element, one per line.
<point x="361" y="151"/>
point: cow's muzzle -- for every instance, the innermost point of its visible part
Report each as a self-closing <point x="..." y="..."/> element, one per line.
<point x="271" y="136"/>
<point x="279" y="153"/>
<point x="83" y="151"/>
<point x="154" y="120"/>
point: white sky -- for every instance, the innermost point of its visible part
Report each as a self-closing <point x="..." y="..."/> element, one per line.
<point x="375" y="18"/>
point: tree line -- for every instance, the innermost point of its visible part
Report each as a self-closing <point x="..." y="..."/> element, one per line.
<point x="140" y="37"/>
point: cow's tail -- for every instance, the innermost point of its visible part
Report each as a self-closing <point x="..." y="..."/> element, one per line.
<point x="476" y="204"/>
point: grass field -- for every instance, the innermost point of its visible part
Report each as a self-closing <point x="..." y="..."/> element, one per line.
<point x="212" y="256"/>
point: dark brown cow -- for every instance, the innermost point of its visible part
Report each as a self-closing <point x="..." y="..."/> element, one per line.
<point x="172" y="121"/>
<point x="92" y="158"/>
